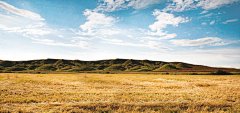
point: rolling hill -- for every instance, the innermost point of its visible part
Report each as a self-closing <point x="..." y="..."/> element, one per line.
<point x="123" y="65"/>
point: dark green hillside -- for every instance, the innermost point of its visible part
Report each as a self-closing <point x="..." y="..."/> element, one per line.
<point x="168" y="67"/>
<point x="128" y="65"/>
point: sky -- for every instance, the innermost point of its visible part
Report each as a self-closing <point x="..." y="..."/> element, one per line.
<point x="203" y="32"/>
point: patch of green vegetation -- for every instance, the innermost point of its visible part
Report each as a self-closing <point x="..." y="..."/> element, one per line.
<point x="182" y="65"/>
<point x="134" y="68"/>
<point x="32" y="67"/>
<point x="6" y="63"/>
<point x="144" y="69"/>
<point x="101" y="67"/>
<point x="83" y="68"/>
<point x="1" y="68"/>
<point x="115" y="67"/>
<point x="46" y="67"/>
<point x="167" y="67"/>
<point x="15" y="68"/>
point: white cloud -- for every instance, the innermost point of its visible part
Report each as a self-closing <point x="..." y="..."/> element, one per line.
<point x="112" y="40"/>
<point x="106" y="32"/>
<point x="88" y="33"/>
<point x="232" y="20"/>
<point x="134" y="12"/>
<point x="212" y="22"/>
<point x="158" y="32"/>
<point x="208" y="32"/>
<point x="155" y="45"/>
<point x="9" y="28"/>
<point x="213" y="4"/>
<point x="130" y="36"/>
<point x="111" y="5"/>
<point x="220" y="44"/>
<point x="204" y="23"/>
<point x="220" y="51"/>
<point x="180" y="5"/>
<point x="167" y="36"/>
<point x="20" y="12"/>
<point x="34" y="31"/>
<point x="150" y="38"/>
<point x="164" y="19"/>
<point x="82" y="38"/>
<point x="96" y="20"/>
<point x="149" y="44"/>
<point x="81" y="44"/>
<point x="142" y="4"/>
<point x="196" y="42"/>
<point x="27" y="30"/>
<point x="225" y="43"/>
<point x="115" y="5"/>
<point x="208" y="15"/>
<point x="42" y="40"/>
<point x="203" y="12"/>
<point x="30" y="25"/>
<point x="60" y="36"/>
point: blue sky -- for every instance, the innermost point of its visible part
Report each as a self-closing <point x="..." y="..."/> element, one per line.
<point x="204" y="32"/>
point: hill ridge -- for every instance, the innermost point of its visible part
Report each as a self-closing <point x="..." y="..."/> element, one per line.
<point x="129" y="65"/>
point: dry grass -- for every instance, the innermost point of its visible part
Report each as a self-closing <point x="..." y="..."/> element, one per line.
<point x="118" y="93"/>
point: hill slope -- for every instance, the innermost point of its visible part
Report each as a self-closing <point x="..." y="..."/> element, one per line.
<point x="129" y="65"/>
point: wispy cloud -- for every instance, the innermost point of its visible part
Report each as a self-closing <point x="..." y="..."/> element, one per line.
<point x="22" y="22"/>
<point x="164" y="19"/>
<point x="155" y="45"/>
<point x="111" y="40"/>
<point x="80" y="44"/>
<point x="82" y="38"/>
<point x="60" y="36"/>
<point x="130" y="36"/>
<point x="167" y="36"/>
<point x="196" y="42"/>
<point x="106" y="32"/>
<point x="96" y="20"/>
<point x="20" y="12"/>
<point x="232" y="20"/>
<point x="204" y="23"/>
<point x="180" y="5"/>
<point x="213" y="4"/>
<point x="212" y="22"/>
<point x="33" y="28"/>
<point x="148" y="44"/>
<point x="27" y="30"/>
<point x="142" y="4"/>
<point x="224" y="43"/>
<point x="207" y="15"/>
<point x="115" y="5"/>
<point x="111" y="5"/>
<point x="203" y="12"/>
<point x="220" y="51"/>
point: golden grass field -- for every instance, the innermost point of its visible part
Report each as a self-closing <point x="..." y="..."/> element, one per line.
<point x="119" y="93"/>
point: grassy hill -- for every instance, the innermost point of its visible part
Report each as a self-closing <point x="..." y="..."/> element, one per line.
<point x="128" y="65"/>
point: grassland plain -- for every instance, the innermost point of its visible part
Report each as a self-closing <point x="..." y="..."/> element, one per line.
<point x="86" y="92"/>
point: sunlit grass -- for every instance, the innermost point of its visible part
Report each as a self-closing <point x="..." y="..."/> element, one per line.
<point x="119" y="93"/>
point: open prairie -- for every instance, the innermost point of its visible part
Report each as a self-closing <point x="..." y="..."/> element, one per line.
<point x="86" y="92"/>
